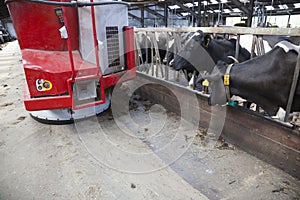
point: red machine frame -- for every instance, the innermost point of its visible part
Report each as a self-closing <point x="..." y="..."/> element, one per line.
<point x="50" y="58"/>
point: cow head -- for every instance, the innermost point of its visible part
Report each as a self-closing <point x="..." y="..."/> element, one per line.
<point x="215" y="78"/>
<point x="193" y="55"/>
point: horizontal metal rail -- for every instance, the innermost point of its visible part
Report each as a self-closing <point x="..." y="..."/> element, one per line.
<point x="229" y="30"/>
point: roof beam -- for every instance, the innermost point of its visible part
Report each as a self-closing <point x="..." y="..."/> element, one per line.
<point x="139" y="6"/>
<point x="183" y="7"/>
<point x="135" y="17"/>
<point x="153" y="12"/>
<point x="241" y="6"/>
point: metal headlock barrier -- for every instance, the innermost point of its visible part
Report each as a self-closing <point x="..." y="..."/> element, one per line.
<point x="158" y="69"/>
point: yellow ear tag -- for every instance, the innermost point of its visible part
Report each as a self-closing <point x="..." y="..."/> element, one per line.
<point x="205" y="83"/>
<point x="226" y="79"/>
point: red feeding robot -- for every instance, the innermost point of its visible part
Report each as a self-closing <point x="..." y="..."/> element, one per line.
<point x="73" y="53"/>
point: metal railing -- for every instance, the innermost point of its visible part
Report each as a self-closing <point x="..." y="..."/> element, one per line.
<point x="159" y="69"/>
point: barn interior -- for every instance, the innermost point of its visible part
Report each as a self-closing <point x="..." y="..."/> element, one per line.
<point x="210" y="13"/>
<point x="184" y="13"/>
<point x="176" y="145"/>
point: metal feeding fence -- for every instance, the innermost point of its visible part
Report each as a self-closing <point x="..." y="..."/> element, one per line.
<point x="148" y="59"/>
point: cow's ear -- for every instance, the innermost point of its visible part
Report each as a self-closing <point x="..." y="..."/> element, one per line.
<point x="200" y="33"/>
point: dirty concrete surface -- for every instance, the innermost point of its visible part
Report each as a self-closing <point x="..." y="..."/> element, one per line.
<point x="145" y="154"/>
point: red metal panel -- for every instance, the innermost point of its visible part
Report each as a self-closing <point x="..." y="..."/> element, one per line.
<point x="48" y="103"/>
<point x="113" y="79"/>
<point x="41" y="65"/>
<point x="129" y="43"/>
<point x="53" y="66"/>
<point x="37" y="26"/>
<point x="45" y="103"/>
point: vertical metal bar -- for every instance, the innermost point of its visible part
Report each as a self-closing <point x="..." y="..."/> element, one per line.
<point x="69" y="44"/>
<point x="237" y="47"/>
<point x="142" y="16"/>
<point x="130" y="48"/>
<point x="96" y="48"/>
<point x="293" y="89"/>
<point x="261" y="43"/>
<point x="193" y="16"/>
<point x="257" y="46"/>
<point x="167" y="52"/>
<point x="136" y="47"/>
<point x="147" y="51"/>
<point x="288" y="22"/>
<point x="175" y="48"/>
<point x="199" y="13"/>
<point x="222" y="18"/>
<point x="166" y="15"/>
<point x="155" y="54"/>
<point x="175" y="52"/>
<point x="250" y="14"/>
<point x="152" y="55"/>
<point x="219" y="13"/>
<point x="253" y="46"/>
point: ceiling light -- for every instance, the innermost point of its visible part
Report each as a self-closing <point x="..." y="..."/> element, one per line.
<point x="185" y="14"/>
<point x="174" y="7"/>
<point x="269" y="7"/>
<point x="297" y="5"/>
<point x="236" y="10"/>
<point x="244" y="1"/>
<point x="214" y="2"/>
<point x="189" y="5"/>
<point x="226" y="11"/>
<point x="285" y="6"/>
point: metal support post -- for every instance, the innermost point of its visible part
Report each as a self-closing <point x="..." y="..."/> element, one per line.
<point x="293" y="89"/>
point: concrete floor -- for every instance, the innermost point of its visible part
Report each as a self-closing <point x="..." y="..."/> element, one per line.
<point x="98" y="159"/>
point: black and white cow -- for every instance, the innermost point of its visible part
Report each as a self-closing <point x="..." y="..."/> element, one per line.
<point x="265" y="80"/>
<point x="202" y="52"/>
<point x="273" y="39"/>
<point x="175" y="46"/>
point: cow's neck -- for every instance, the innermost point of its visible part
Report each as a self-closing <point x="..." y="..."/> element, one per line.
<point x="263" y="79"/>
<point x="219" y="50"/>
